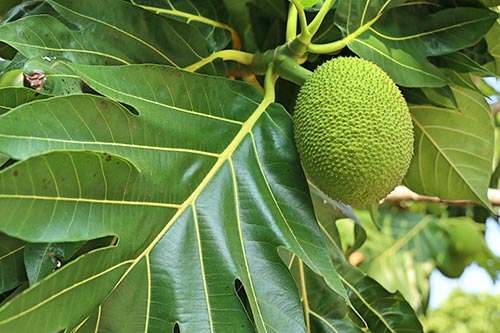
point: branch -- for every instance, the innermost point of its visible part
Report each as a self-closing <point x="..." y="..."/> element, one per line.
<point x="495" y="108"/>
<point x="402" y="193"/>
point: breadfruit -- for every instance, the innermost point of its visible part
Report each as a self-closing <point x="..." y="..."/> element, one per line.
<point x="353" y="131"/>
<point x="465" y="237"/>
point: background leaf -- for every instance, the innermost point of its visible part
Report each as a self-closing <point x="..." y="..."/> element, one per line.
<point x="401" y="41"/>
<point x="12" y="272"/>
<point x="401" y="255"/>
<point x="493" y="40"/>
<point x="43" y="259"/>
<point x="453" y="149"/>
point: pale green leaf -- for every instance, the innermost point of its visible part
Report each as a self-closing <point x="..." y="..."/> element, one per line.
<point x="401" y="255"/>
<point x="453" y="149"/>
<point x="493" y="40"/>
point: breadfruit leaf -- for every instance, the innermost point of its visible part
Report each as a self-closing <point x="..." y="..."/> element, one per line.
<point x="11" y="97"/>
<point x="401" y="254"/>
<point x="208" y="16"/>
<point x="12" y="272"/>
<point x="453" y="149"/>
<point x="210" y="188"/>
<point x="106" y="36"/>
<point x="401" y="46"/>
<point x="387" y="313"/>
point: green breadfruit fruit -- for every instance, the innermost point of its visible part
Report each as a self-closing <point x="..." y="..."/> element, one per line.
<point x="353" y="131"/>
<point x="453" y="266"/>
<point x="466" y="239"/>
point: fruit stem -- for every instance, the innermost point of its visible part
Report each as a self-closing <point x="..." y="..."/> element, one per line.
<point x="288" y="69"/>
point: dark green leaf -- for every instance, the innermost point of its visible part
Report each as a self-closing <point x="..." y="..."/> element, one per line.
<point x="219" y="178"/>
<point x="209" y="16"/>
<point x="327" y="312"/>
<point x="106" y="35"/>
<point x="41" y="260"/>
<point x="6" y="5"/>
<point x="387" y="313"/>
<point x="12" y="272"/>
<point x="401" y="41"/>
<point x="460" y="62"/>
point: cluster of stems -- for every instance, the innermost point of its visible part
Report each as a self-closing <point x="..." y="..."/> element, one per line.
<point x="287" y="58"/>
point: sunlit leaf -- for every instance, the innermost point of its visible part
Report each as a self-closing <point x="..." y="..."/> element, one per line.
<point x="453" y="149"/>
<point x="493" y="40"/>
<point x="376" y="309"/>
<point x="351" y="15"/>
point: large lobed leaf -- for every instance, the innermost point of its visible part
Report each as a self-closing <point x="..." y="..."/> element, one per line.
<point x="209" y="16"/>
<point x="209" y="190"/>
<point x="116" y="32"/>
<point x="401" y="40"/>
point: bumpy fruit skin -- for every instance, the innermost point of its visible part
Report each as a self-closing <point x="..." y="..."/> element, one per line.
<point x="353" y="131"/>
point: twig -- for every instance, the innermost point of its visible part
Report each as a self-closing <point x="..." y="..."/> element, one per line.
<point x="402" y="193"/>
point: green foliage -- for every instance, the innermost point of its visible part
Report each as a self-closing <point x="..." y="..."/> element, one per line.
<point x="464" y="313"/>
<point x="149" y="179"/>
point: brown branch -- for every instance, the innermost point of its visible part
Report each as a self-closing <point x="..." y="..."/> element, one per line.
<point x="402" y="193"/>
<point x="495" y="108"/>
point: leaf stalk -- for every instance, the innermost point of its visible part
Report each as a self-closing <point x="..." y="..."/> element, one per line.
<point x="229" y="55"/>
<point x="340" y="44"/>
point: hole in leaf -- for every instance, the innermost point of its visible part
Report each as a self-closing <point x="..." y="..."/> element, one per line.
<point x="177" y="328"/>
<point x="242" y="295"/>
<point x="95" y="244"/>
<point x="88" y="90"/>
<point x="13" y="293"/>
<point x="7" y="163"/>
<point x="130" y="108"/>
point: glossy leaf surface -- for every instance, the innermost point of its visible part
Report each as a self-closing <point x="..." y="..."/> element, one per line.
<point x="401" y="40"/>
<point x="106" y="36"/>
<point x="192" y="212"/>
